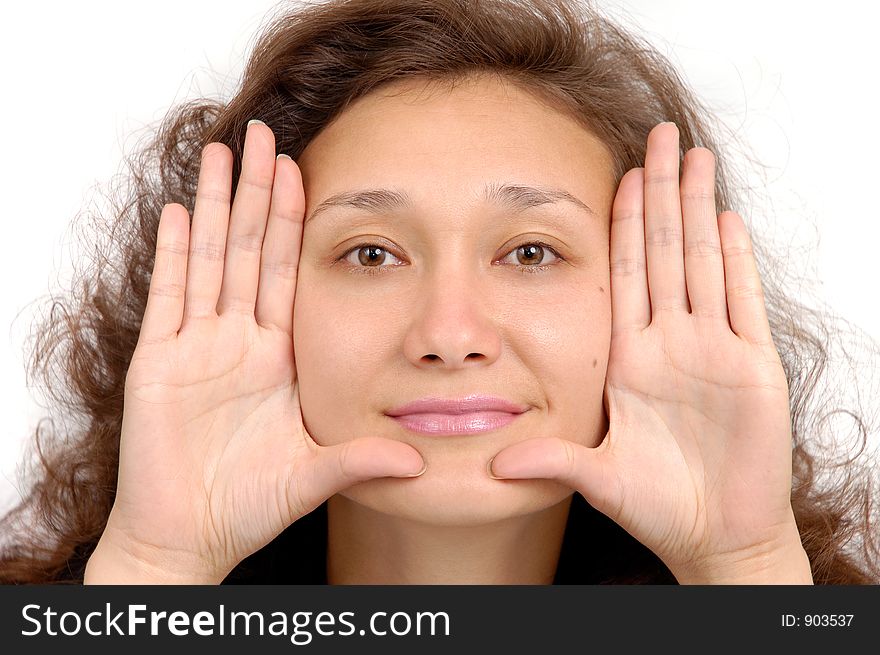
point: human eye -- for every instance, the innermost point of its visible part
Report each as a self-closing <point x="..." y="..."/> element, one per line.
<point x="367" y="258"/>
<point x="371" y="258"/>
<point x="534" y="250"/>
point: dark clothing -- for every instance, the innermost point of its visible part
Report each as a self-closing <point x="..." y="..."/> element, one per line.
<point x="595" y="550"/>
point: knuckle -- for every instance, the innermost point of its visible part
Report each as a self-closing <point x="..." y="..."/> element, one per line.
<point x="702" y="248"/>
<point x="570" y="461"/>
<point x="664" y="237"/>
<point x="175" y="248"/>
<point x="345" y="460"/>
<point x="626" y="267"/>
<point x="212" y="252"/>
<point x="290" y="215"/>
<point x="252" y="243"/>
<point x="668" y="306"/>
<point x="261" y="184"/>
<point x="710" y="312"/>
<point x="660" y="177"/>
<point x="699" y="197"/>
<point x="236" y="305"/>
<point x="731" y="252"/>
<point x="746" y="291"/>
<point x="212" y="196"/>
<point x="168" y="290"/>
<point x="283" y="269"/>
<point x="621" y="216"/>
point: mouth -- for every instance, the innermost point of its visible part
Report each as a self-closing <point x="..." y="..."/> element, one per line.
<point x="437" y="424"/>
<point x="470" y="414"/>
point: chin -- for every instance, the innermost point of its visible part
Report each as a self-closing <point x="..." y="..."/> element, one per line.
<point x="455" y="493"/>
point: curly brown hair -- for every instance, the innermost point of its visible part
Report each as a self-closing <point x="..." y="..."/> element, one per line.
<point x="305" y="68"/>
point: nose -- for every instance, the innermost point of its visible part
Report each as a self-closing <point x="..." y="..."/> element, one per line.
<point x="452" y="325"/>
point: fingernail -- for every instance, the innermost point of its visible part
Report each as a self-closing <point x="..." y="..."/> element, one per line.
<point x="415" y="475"/>
<point x="280" y="155"/>
<point x="255" y="120"/>
<point x="489" y="470"/>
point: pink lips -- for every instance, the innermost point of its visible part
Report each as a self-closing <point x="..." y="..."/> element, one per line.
<point x="467" y="415"/>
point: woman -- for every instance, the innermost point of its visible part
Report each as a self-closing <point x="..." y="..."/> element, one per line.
<point x="441" y="236"/>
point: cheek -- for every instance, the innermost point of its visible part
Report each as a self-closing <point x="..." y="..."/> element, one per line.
<point x="566" y="347"/>
<point x="336" y="349"/>
<point x="565" y="323"/>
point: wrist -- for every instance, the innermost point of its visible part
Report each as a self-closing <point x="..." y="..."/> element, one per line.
<point x="784" y="565"/>
<point x="117" y="561"/>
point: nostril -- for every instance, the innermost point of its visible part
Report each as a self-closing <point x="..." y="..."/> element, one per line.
<point x="432" y="357"/>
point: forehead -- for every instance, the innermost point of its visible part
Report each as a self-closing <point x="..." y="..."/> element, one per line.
<point x="421" y="132"/>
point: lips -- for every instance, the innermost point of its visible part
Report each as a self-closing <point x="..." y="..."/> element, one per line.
<point x="453" y="416"/>
<point x="466" y="405"/>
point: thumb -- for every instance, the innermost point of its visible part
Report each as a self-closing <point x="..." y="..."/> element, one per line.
<point x="590" y="471"/>
<point x="337" y="467"/>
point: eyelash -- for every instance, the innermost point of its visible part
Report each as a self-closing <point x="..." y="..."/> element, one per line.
<point x="522" y="268"/>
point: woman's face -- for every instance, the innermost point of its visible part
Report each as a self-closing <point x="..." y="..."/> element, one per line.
<point x="442" y="295"/>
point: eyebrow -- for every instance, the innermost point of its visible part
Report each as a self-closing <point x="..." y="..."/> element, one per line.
<point x="515" y="197"/>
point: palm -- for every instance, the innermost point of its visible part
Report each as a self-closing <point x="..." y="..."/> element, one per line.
<point x="215" y="460"/>
<point x="696" y="464"/>
<point x="238" y="440"/>
<point x="687" y="421"/>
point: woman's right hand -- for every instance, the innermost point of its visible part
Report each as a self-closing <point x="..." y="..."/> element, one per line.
<point x="214" y="459"/>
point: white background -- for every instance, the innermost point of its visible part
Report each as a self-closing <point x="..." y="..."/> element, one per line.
<point x="796" y="80"/>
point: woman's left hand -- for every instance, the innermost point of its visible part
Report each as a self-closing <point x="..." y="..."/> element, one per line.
<point x="696" y="464"/>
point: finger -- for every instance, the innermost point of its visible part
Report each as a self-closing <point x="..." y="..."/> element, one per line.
<point x="247" y="223"/>
<point x="590" y="471"/>
<point x="207" y="243"/>
<point x="281" y="247"/>
<point x="335" y="468"/>
<point x="663" y="224"/>
<point x="164" y="310"/>
<point x="703" y="263"/>
<point x="630" y="303"/>
<point x="745" y="297"/>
